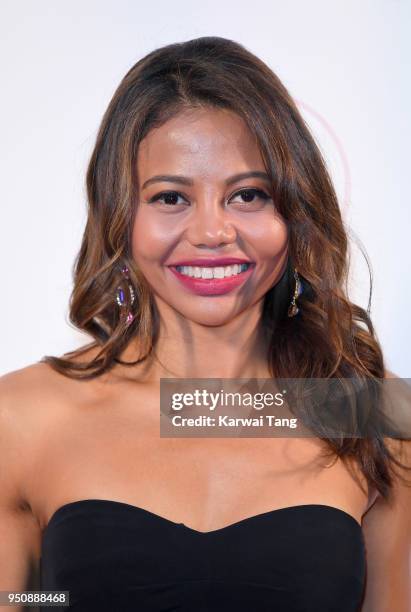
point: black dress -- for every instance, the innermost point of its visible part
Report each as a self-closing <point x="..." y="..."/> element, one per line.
<point x="115" y="557"/>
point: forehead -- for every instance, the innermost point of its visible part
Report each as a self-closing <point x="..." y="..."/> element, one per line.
<point x="206" y="142"/>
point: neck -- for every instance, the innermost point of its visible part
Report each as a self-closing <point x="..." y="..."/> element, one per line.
<point x="187" y="349"/>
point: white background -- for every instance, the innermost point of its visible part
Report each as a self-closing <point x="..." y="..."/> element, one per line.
<point x="346" y="63"/>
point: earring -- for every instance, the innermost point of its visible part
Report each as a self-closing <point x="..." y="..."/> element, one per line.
<point x="120" y="299"/>
<point x="293" y="308"/>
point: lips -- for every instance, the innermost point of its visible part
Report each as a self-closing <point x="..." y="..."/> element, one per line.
<point x="212" y="286"/>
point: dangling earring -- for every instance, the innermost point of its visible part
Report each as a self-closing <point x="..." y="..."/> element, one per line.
<point x="293" y="308"/>
<point x="120" y="295"/>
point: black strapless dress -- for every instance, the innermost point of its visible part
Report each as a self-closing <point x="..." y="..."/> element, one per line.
<point x="115" y="557"/>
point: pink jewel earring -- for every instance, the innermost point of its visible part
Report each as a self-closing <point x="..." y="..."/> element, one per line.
<point x="293" y="308"/>
<point x="120" y="298"/>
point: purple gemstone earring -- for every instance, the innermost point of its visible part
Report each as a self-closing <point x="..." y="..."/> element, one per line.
<point x="293" y="308"/>
<point x="120" y="298"/>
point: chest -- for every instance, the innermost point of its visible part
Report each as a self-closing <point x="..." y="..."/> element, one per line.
<point x="204" y="482"/>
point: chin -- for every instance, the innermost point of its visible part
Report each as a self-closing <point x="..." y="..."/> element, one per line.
<point x="213" y="317"/>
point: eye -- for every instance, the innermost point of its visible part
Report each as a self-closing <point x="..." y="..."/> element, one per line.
<point x="170" y="198"/>
<point x="252" y="197"/>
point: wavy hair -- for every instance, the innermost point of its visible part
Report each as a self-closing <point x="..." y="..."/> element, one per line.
<point x="330" y="336"/>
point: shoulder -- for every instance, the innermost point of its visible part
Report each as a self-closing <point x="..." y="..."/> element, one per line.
<point x="37" y="394"/>
<point x="25" y="397"/>
<point x="18" y="381"/>
<point x="387" y="535"/>
<point x="33" y="397"/>
<point x="23" y="392"/>
<point x="388" y="374"/>
<point x="29" y="390"/>
<point x="20" y="422"/>
<point x="35" y="403"/>
<point x="20" y="388"/>
<point x="19" y="530"/>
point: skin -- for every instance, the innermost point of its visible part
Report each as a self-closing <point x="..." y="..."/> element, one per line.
<point x="100" y="438"/>
<point x="208" y="218"/>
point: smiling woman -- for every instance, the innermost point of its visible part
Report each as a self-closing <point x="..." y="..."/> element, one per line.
<point x="214" y="248"/>
<point x="187" y="242"/>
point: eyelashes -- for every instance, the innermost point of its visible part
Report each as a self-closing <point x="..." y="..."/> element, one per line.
<point x="246" y="192"/>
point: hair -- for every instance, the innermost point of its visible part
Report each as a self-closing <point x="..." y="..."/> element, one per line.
<point x="330" y="336"/>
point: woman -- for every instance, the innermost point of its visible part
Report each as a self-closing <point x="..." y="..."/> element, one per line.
<point x="202" y="161"/>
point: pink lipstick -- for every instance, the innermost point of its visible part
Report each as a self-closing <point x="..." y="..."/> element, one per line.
<point x="213" y="286"/>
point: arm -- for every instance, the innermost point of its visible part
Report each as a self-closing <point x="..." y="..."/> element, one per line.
<point x="19" y="530"/>
<point x="387" y="535"/>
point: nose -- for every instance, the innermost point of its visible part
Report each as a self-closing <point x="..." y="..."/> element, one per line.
<point x="209" y="225"/>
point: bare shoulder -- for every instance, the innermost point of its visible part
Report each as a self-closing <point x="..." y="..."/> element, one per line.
<point x="400" y="449"/>
<point x="36" y="402"/>
<point x="26" y="396"/>
<point x="17" y="385"/>
<point x="387" y="535"/>
<point x="24" y="393"/>
<point x="29" y="387"/>
<point x="20" y="534"/>
<point x="33" y="397"/>
<point x="20" y="390"/>
<point x="389" y="374"/>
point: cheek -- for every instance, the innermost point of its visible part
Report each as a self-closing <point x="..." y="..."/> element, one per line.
<point x="270" y="239"/>
<point x="149" y="240"/>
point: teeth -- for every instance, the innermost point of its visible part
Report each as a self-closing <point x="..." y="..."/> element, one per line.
<point x="217" y="272"/>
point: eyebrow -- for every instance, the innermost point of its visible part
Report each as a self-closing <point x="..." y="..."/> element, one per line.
<point x="183" y="180"/>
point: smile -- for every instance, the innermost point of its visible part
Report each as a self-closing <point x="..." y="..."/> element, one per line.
<point x="209" y="272"/>
<point x="209" y="280"/>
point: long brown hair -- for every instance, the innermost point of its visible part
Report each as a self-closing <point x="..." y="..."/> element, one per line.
<point x="330" y="336"/>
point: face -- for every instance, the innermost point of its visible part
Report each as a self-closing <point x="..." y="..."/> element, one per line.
<point x="204" y="202"/>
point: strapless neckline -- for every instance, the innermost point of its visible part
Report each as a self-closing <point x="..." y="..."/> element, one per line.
<point x="125" y="506"/>
<point x="112" y="555"/>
